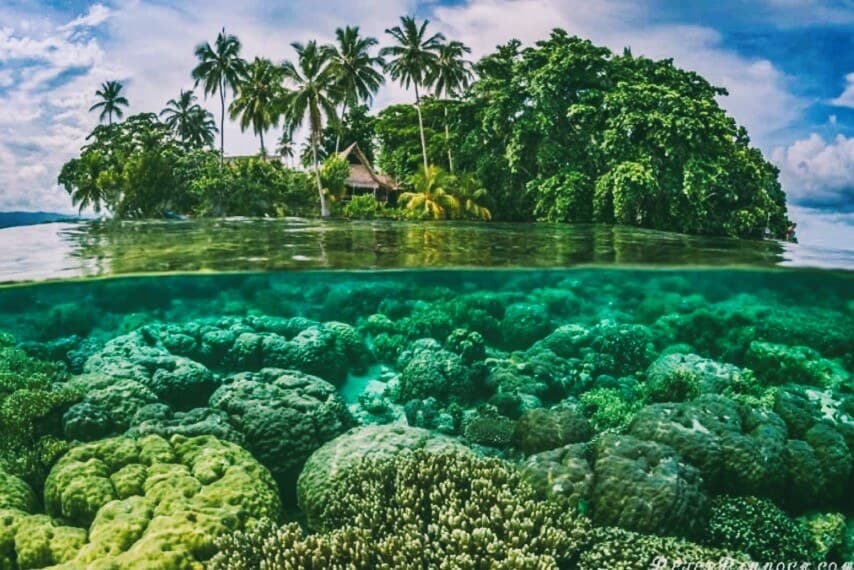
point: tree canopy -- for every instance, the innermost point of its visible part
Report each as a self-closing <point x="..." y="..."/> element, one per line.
<point x="568" y="131"/>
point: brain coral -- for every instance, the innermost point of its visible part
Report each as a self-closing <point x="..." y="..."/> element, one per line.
<point x="284" y="415"/>
<point x="147" y="504"/>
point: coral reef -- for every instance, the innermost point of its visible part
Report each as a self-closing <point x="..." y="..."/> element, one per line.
<point x="522" y="419"/>
<point x="327" y="465"/>
<point x="423" y="510"/>
<point x="149" y="503"/>
<point x="759" y="528"/>
<point x="283" y="415"/>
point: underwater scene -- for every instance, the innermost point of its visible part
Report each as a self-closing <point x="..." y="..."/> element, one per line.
<point x="597" y="417"/>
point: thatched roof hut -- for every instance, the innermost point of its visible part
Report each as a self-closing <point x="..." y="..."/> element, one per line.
<point x="363" y="178"/>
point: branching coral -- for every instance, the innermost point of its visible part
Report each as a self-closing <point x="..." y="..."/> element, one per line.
<point x="423" y="510"/>
<point x="33" y="398"/>
<point x="759" y="528"/>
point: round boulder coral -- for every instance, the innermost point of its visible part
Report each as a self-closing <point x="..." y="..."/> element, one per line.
<point x="283" y="415"/>
<point x="645" y="487"/>
<point x="435" y="372"/>
<point x="543" y="429"/>
<point x="159" y="419"/>
<point x="107" y="409"/>
<point x="678" y="377"/>
<point x="179" y="381"/>
<point x="564" y="472"/>
<point x="524" y="324"/>
<point x="736" y="448"/>
<point x="139" y="504"/>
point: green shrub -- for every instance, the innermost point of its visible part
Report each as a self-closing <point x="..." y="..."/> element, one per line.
<point x="363" y="207"/>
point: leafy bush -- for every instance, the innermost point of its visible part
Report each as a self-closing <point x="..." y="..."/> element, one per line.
<point x="363" y="207"/>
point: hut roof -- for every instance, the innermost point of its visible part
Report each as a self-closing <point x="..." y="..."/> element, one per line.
<point x="361" y="173"/>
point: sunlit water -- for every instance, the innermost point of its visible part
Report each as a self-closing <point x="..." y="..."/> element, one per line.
<point x="652" y="375"/>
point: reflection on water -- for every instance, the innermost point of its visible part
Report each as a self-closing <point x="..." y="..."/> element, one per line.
<point x="55" y="251"/>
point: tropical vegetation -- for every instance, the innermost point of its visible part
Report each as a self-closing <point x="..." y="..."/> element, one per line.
<point x="560" y="131"/>
<point x="190" y="122"/>
<point x="220" y="68"/>
<point x="110" y="101"/>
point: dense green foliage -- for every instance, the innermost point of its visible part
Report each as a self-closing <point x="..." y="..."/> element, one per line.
<point x="191" y="124"/>
<point x="32" y="400"/>
<point x="356" y="126"/>
<point x="363" y="207"/>
<point x="397" y="134"/>
<point x="139" y="168"/>
<point x="568" y="131"/>
<point x="250" y="187"/>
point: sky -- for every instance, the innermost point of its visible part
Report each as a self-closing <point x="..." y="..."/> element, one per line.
<point x="788" y="66"/>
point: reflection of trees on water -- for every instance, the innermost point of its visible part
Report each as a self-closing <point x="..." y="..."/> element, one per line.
<point x="247" y="245"/>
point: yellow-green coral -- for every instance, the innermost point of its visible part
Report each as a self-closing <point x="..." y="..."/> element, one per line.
<point x="139" y="504"/>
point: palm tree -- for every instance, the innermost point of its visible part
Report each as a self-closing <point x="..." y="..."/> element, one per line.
<point x="355" y="70"/>
<point x="471" y="194"/>
<point x="413" y="59"/>
<point x="220" y="68"/>
<point x="257" y="98"/>
<point x="192" y="124"/>
<point x="111" y="101"/>
<point x="430" y="197"/>
<point x="311" y="99"/>
<point x="449" y="76"/>
<point x="285" y="148"/>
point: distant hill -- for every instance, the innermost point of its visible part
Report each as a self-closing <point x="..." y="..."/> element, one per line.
<point x="11" y="219"/>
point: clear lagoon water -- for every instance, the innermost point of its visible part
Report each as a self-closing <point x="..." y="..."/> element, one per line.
<point x="412" y="395"/>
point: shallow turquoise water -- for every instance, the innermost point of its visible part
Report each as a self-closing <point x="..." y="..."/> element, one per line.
<point x="642" y="394"/>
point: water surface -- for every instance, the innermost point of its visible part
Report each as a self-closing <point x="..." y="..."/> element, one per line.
<point x="85" y="249"/>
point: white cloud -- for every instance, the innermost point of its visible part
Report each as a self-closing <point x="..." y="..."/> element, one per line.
<point x="822" y="229"/>
<point x="818" y="173"/>
<point x="97" y="15"/>
<point x="846" y="99"/>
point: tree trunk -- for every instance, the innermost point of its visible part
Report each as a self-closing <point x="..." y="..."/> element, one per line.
<point x="448" y="143"/>
<point x="263" y="150"/>
<point x="222" y="125"/>
<point x="340" y="127"/>
<point x="324" y="205"/>
<point x="421" y="127"/>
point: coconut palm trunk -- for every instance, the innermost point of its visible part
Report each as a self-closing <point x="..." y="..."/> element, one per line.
<point x="324" y="205"/>
<point x="340" y="128"/>
<point x="421" y="126"/>
<point x="222" y="124"/>
<point x="448" y="143"/>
